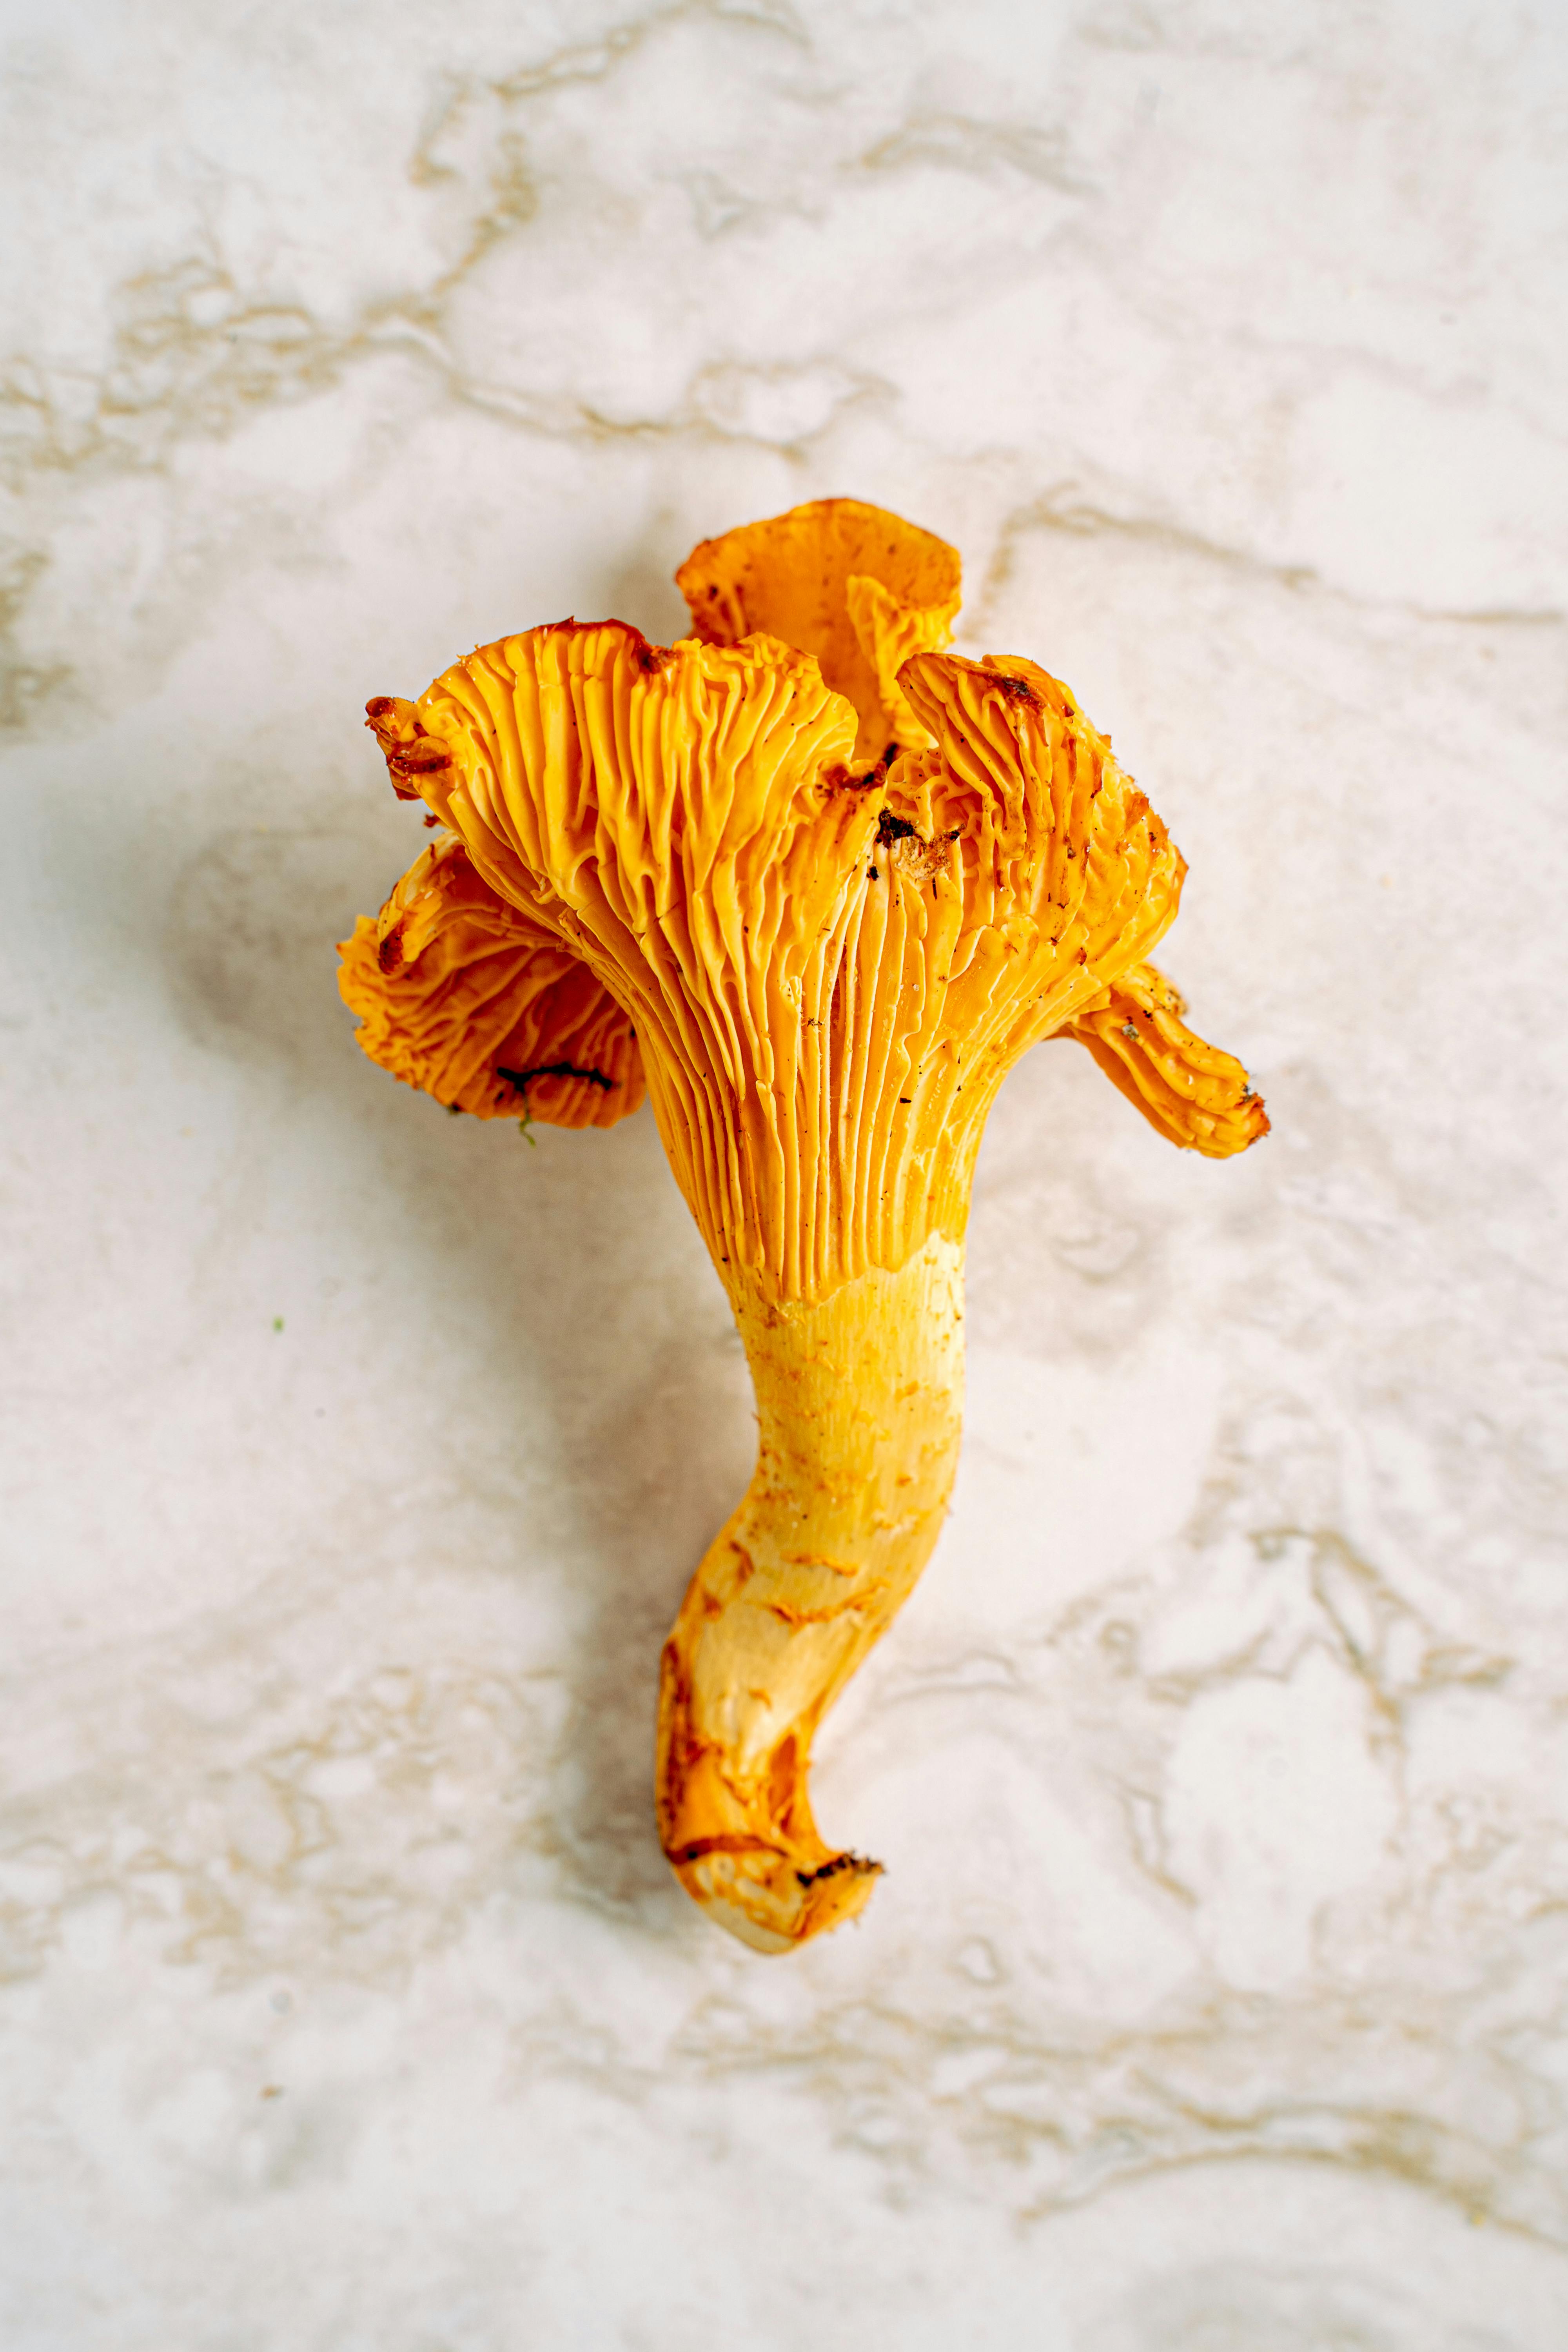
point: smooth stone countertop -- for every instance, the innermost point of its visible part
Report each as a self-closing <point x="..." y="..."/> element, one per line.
<point x="357" y="1457"/>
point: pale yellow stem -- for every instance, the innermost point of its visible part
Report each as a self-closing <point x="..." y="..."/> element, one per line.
<point x="859" y="1402"/>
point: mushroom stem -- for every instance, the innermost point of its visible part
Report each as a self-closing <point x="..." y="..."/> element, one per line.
<point x="860" y="1401"/>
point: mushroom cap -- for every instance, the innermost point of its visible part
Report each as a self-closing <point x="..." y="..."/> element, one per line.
<point x="825" y="970"/>
<point x="857" y="586"/>
<point x="829" y="975"/>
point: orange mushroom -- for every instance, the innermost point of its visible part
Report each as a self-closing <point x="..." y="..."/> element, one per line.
<point x="835" y="881"/>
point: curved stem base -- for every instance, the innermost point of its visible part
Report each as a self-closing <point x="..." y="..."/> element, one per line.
<point x="858" y="1407"/>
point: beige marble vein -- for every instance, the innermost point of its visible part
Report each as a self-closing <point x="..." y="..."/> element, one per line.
<point x="354" y="1461"/>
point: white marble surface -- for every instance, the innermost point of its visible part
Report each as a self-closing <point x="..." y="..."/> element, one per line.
<point x="1218" y="1997"/>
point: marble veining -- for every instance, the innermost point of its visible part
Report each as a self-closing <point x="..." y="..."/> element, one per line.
<point x="355" y="1458"/>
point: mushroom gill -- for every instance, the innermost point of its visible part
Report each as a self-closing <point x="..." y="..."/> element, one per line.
<point x="829" y="969"/>
<point x="477" y="1004"/>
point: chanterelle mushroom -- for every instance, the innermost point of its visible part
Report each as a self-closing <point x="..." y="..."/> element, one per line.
<point x="819" y="884"/>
